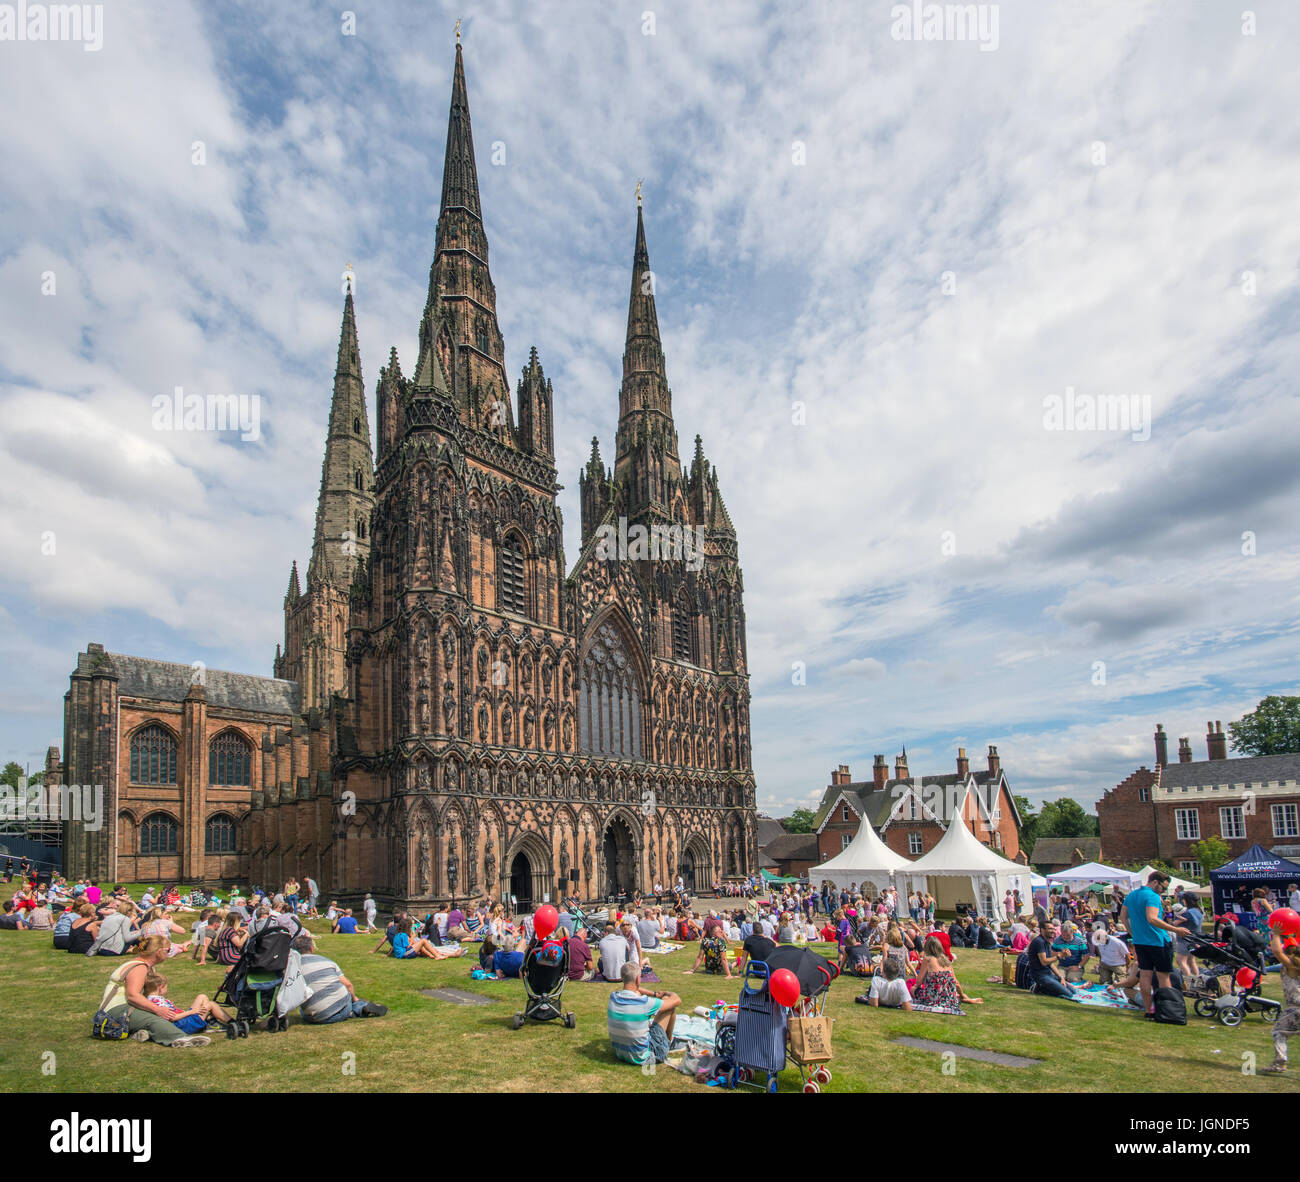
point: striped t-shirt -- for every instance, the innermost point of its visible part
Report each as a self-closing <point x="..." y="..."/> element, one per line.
<point x="630" y="1015"/>
<point x="329" y="995"/>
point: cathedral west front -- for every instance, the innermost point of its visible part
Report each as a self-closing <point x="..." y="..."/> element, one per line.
<point x="456" y="711"/>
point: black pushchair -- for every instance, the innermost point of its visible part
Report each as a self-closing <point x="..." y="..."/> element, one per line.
<point x="593" y="923"/>
<point x="252" y="986"/>
<point x="1230" y="958"/>
<point x="546" y="969"/>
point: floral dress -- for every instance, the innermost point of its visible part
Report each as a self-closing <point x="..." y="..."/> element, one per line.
<point x="1288" y="1021"/>
<point x="938" y="993"/>
<point x="715" y="952"/>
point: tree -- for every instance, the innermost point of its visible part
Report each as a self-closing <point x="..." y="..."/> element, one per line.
<point x="1065" y="818"/>
<point x="1028" y="823"/>
<point x="799" y="821"/>
<point x="1272" y="728"/>
<point x="13" y="772"/>
<point x="1211" y="853"/>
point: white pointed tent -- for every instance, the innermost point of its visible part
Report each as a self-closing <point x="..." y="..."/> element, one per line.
<point x="963" y="870"/>
<point x="1078" y="876"/>
<point x="865" y="859"/>
<point x="1140" y="879"/>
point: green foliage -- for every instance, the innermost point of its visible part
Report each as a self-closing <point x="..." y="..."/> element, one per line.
<point x="1272" y="728"/>
<point x="1028" y="823"/>
<point x="11" y="774"/>
<point x="799" y="821"/>
<point x="1065" y="818"/>
<point x="1211" y="852"/>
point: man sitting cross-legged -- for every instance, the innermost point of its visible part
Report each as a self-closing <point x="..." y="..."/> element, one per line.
<point x="641" y="1020"/>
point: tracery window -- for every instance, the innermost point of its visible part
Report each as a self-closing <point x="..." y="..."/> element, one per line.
<point x="512" y="578"/>
<point x="153" y="756"/>
<point x="229" y="759"/>
<point x="609" y="699"/>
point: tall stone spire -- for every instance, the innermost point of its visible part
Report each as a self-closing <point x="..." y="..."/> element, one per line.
<point x="460" y="284"/>
<point x="646" y="461"/>
<point x="342" y="534"/>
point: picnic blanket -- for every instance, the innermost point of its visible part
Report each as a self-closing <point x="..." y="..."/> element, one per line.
<point x="1094" y="994"/>
<point x="662" y="947"/>
<point x="693" y="1028"/>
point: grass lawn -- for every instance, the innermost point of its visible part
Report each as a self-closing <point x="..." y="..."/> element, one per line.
<point x="47" y="999"/>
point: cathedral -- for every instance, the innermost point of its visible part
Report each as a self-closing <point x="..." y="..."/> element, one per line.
<point x="455" y="712"/>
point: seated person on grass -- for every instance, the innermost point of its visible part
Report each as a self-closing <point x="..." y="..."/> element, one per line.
<point x="889" y="989"/>
<point x="12" y="920"/>
<point x="509" y="959"/>
<point x="582" y="963"/>
<point x="985" y="937"/>
<point x="408" y="947"/>
<point x="713" y="955"/>
<point x="229" y="941"/>
<point x="390" y="931"/>
<point x="614" y="954"/>
<point x="486" y="953"/>
<point x="194" y="1020"/>
<point x="857" y="957"/>
<point x="641" y="1020"/>
<point x="346" y="924"/>
<point x="125" y="998"/>
<point x="1073" y="951"/>
<point x="333" y="999"/>
<point x="1046" y="976"/>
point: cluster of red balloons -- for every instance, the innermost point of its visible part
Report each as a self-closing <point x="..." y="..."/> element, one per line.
<point x="545" y="920"/>
<point x="783" y="985"/>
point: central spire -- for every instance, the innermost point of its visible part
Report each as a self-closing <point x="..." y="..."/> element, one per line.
<point x="460" y="285"/>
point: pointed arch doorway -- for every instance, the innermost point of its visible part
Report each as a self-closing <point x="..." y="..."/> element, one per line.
<point x="618" y="861"/>
<point x="521" y="881"/>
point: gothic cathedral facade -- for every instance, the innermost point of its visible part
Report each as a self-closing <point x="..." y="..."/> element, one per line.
<point x="468" y="719"/>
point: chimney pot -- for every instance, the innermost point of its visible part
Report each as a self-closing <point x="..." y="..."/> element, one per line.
<point x="1184" y="750"/>
<point x="995" y="761"/>
<point x="963" y="764"/>
<point x="880" y="772"/>
<point x="1216" y="743"/>
<point x="1162" y="746"/>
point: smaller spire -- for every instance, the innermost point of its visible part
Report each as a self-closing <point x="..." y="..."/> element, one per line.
<point x="294" y="590"/>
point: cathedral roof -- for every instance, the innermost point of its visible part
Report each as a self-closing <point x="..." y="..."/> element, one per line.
<point x="143" y="677"/>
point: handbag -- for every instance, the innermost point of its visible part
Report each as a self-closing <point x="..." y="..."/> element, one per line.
<point x="112" y="1029"/>
<point x="810" y="1038"/>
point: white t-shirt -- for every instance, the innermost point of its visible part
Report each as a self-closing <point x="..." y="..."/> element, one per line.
<point x="1294" y="901"/>
<point x="440" y="918"/>
<point x="1113" y="950"/>
<point x="889" y="993"/>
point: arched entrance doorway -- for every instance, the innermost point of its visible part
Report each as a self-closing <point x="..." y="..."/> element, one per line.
<point x="521" y="881"/>
<point x="619" y="858"/>
<point x="694" y="869"/>
<point x="687" y="870"/>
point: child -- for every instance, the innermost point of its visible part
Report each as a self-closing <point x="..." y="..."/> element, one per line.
<point x="1288" y="1021"/>
<point x="200" y="930"/>
<point x="194" y="1020"/>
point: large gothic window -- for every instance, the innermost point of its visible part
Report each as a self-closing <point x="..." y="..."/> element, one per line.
<point x="229" y="760"/>
<point x="153" y="756"/>
<point x="609" y="699"/>
<point x="683" y="632"/>
<point x="158" y="834"/>
<point x="512" y="580"/>
<point x="219" y="835"/>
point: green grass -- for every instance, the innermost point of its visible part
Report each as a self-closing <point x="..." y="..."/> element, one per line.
<point x="47" y="999"/>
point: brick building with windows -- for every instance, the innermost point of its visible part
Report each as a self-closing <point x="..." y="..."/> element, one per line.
<point x="1162" y="813"/>
<point x="910" y="813"/>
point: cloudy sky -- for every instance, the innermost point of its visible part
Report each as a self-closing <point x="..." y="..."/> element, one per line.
<point x="881" y="262"/>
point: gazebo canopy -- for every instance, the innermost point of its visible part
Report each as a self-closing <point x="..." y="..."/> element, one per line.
<point x="1092" y="872"/>
<point x="1174" y="881"/>
<point x="865" y="859"/>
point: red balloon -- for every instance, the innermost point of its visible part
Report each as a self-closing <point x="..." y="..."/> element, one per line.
<point x="545" y="920"/>
<point x="1245" y="977"/>
<point x="1285" y="922"/>
<point x="784" y="987"/>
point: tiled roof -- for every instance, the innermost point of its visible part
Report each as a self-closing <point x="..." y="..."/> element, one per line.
<point x="875" y="803"/>
<point x="1252" y="769"/>
<point x="766" y="829"/>
<point x="1060" y="851"/>
<point x="800" y="847"/>
<point x="143" y="677"/>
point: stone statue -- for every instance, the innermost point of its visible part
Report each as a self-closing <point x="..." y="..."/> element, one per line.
<point x="423" y="776"/>
<point x="568" y="734"/>
<point x="483" y="720"/>
<point x="449" y="714"/>
<point x="482" y="664"/>
<point x="489" y="862"/>
<point x="564" y="855"/>
<point x="451" y="778"/>
<point x="586" y="867"/>
<point x="426" y="864"/>
<point x="484" y="781"/>
<point x="448" y="650"/>
<point x="530" y="726"/>
<point x="548" y="730"/>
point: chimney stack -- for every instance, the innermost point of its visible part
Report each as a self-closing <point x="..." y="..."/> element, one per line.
<point x="995" y="761"/>
<point x="963" y="764"/>
<point x="841" y="775"/>
<point x="900" y="767"/>
<point x="1216" y="742"/>
<point x="1184" y="750"/>
<point x="880" y="772"/>
<point x="1162" y="745"/>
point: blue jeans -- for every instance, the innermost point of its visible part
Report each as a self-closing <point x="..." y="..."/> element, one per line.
<point x="1050" y="984"/>
<point x="352" y="1011"/>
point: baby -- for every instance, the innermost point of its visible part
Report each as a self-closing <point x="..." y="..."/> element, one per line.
<point x="192" y="1021"/>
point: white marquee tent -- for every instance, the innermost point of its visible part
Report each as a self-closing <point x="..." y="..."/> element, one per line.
<point x="1175" y="882"/>
<point x="963" y="870"/>
<point x="865" y="859"/>
<point x="1094" y="872"/>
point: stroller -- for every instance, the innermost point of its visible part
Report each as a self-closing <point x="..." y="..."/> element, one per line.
<point x="1231" y="1008"/>
<point x="546" y="969"/>
<point x="252" y="986"/>
<point x="593" y="923"/>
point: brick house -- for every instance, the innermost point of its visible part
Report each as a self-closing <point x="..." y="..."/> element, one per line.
<point x="911" y="813"/>
<point x="1162" y="813"/>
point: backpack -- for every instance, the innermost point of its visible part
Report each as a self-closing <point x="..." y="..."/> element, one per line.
<point x="1170" y="1008"/>
<point x="1024" y="980"/>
